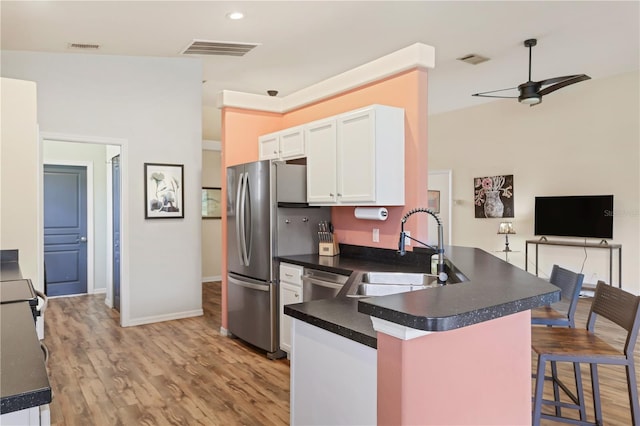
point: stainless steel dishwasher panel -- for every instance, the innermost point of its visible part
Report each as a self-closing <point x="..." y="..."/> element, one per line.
<point x="321" y="285"/>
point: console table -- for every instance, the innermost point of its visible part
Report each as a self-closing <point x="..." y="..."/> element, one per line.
<point x="610" y="247"/>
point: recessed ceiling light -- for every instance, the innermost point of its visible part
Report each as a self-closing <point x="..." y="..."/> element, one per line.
<point x="235" y="15"/>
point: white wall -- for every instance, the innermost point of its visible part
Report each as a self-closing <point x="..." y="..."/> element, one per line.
<point x="155" y="105"/>
<point x="583" y="139"/>
<point x="211" y="228"/>
<point x="19" y="168"/>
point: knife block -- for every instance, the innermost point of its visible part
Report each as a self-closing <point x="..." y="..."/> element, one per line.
<point x="328" y="248"/>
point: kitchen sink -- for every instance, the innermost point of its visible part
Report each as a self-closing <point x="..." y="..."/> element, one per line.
<point x="385" y="283"/>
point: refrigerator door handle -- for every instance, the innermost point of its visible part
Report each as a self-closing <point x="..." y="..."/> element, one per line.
<point x="239" y="218"/>
<point x="248" y="228"/>
<point x="243" y="226"/>
<point x="260" y="287"/>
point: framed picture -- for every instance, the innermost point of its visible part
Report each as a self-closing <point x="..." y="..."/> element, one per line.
<point x="493" y="196"/>
<point x="211" y="203"/>
<point x="163" y="191"/>
<point x="433" y="201"/>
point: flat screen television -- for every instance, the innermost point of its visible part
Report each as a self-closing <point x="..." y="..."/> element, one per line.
<point x="587" y="216"/>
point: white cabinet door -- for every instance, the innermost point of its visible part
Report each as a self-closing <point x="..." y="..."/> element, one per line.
<point x="356" y="157"/>
<point x="284" y="145"/>
<point x="290" y="292"/>
<point x="268" y="146"/>
<point x="292" y="143"/>
<point x="320" y="137"/>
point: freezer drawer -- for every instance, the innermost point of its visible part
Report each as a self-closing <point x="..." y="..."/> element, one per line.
<point x="251" y="311"/>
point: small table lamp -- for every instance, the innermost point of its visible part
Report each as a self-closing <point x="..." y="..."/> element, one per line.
<point x="506" y="228"/>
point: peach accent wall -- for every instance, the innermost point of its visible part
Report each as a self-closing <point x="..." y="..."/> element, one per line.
<point x="408" y="90"/>
<point x="479" y="374"/>
<point x="240" y="131"/>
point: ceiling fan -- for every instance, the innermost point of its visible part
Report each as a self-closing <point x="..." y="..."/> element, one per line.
<point x="531" y="92"/>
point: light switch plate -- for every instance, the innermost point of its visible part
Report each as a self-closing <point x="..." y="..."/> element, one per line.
<point x="376" y="235"/>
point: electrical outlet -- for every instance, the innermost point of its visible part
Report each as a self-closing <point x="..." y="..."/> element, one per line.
<point x="407" y="241"/>
<point x="376" y="235"/>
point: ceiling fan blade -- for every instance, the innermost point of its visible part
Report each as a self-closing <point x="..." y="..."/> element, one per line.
<point x="488" y="95"/>
<point x="564" y="81"/>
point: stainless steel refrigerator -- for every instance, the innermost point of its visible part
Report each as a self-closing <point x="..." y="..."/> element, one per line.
<point x="266" y="217"/>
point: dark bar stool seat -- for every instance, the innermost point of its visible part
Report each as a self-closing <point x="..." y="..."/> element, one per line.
<point x="573" y="345"/>
<point x="570" y="284"/>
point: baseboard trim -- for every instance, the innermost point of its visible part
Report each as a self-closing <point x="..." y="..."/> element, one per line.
<point x="98" y="291"/>
<point x="224" y="331"/>
<point x="213" y="278"/>
<point x="162" y="318"/>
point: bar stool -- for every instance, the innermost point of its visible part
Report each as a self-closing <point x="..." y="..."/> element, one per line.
<point x="570" y="284"/>
<point x="559" y="344"/>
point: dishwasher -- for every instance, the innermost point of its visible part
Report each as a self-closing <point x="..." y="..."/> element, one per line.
<point x="321" y="284"/>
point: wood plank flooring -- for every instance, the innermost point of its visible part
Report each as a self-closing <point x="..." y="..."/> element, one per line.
<point x="183" y="372"/>
<point x="180" y="372"/>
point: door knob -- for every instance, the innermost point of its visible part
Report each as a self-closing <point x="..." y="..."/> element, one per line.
<point x="81" y="240"/>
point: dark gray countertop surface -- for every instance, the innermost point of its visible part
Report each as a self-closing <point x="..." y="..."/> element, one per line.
<point x="495" y="289"/>
<point x="24" y="382"/>
<point x="23" y="375"/>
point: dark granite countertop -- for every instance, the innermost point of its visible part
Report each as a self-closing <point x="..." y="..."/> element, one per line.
<point x="340" y="316"/>
<point x="24" y="382"/>
<point x="495" y="289"/>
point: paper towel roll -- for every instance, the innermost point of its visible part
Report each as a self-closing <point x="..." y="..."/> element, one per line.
<point x="371" y="213"/>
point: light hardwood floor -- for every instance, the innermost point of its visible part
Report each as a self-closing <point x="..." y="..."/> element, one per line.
<point x="180" y="372"/>
<point x="184" y="372"/>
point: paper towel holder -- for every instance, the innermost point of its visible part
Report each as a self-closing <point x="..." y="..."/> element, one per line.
<point x="371" y="213"/>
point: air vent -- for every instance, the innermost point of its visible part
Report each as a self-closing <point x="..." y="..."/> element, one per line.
<point x="473" y="59"/>
<point x="83" y="46"/>
<point x="223" y="48"/>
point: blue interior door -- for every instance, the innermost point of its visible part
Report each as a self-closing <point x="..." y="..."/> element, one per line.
<point x="65" y="229"/>
<point x="115" y="184"/>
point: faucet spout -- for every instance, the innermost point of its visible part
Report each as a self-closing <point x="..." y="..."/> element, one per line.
<point x="442" y="274"/>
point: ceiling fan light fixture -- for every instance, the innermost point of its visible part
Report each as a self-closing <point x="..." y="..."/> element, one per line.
<point x="530" y="100"/>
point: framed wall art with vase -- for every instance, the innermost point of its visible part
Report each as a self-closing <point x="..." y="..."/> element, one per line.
<point x="493" y="196"/>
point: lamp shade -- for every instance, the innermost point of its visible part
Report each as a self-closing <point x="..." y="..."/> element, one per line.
<point x="506" y="228"/>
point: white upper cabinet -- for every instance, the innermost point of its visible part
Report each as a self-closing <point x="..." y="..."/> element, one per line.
<point x="283" y="145"/>
<point x="357" y="158"/>
<point x="321" y="161"/>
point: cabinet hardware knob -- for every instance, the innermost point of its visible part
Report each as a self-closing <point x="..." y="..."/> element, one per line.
<point x="296" y="295"/>
<point x="339" y="195"/>
<point x="331" y="194"/>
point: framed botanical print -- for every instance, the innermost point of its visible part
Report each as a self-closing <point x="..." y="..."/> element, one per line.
<point x="163" y="191"/>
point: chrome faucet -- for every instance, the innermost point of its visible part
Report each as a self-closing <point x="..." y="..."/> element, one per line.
<point x="442" y="274"/>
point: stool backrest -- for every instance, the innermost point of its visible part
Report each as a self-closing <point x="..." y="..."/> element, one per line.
<point x="570" y="284"/>
<point x="618" y="306"/>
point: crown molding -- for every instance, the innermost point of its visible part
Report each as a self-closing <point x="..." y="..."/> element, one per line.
<point x="417" y="55"/>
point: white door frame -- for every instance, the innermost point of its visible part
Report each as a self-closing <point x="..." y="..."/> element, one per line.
<point x="124" y="210"/>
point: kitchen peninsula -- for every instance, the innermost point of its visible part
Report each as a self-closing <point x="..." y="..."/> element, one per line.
<point x="24" y="385"/>
<point x="456" y="354"/>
